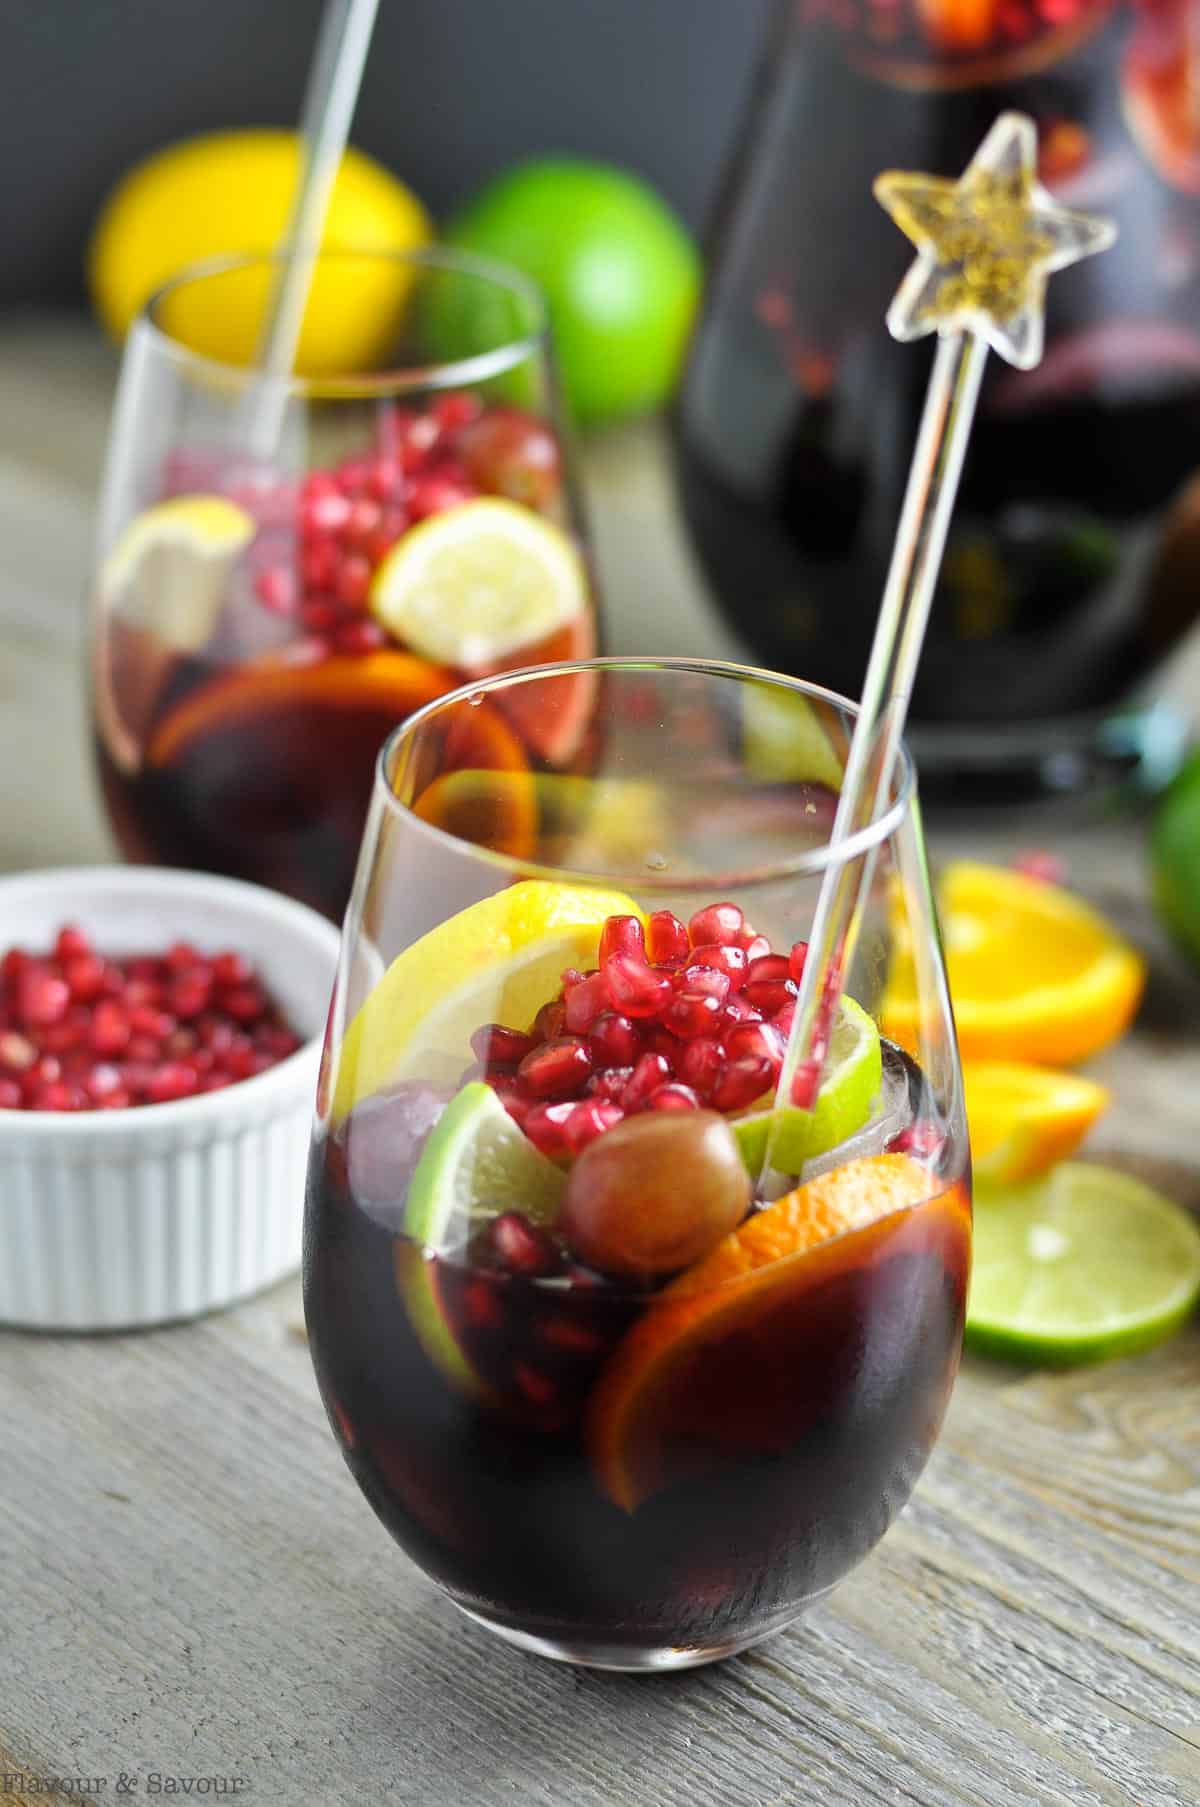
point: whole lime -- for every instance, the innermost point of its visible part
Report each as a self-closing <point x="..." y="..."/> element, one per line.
<point x="1175" y="857"/>
<point x="619" y="272"/>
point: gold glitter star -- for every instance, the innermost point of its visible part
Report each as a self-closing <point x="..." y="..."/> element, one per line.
<point x="987" y="243"/>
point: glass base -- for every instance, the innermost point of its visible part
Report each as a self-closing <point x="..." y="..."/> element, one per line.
<point x="650" y="1660"/>
<point x="1081" y="758"/>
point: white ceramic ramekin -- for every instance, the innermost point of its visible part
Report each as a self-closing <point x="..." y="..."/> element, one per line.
<point x="116" y="1219"/>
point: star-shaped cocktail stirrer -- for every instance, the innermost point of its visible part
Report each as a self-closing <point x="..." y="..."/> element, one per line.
<point x="986" y="244"/>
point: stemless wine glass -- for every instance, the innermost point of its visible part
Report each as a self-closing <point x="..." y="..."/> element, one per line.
<point x="286" y="573"/>
<point x="629" y="1401"/>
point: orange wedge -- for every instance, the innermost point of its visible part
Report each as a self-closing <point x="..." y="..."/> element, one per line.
<point x="724" y="1362"/>
<point x="1023" y="1119"/>
<point x="1035" y="974"/>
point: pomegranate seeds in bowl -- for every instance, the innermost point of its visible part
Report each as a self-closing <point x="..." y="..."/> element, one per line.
<point x="84" y="1031"/>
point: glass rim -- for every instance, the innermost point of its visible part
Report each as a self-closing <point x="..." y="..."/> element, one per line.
<point x="449" y="373"/>
<point x="812" y="863"/>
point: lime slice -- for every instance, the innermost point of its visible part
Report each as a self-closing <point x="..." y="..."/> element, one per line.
<point x="497" y="961"/>
<point x="1079" y="1265"/>
<point x="475" y="585"/>
<point x="784" y="740"/>
<point x="844" y="1103"/>
<point x="477" y="1163"/>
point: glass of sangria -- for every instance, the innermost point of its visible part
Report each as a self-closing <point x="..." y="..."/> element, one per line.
<point x="632" y="1395"/>
<point x="286" y="572"/>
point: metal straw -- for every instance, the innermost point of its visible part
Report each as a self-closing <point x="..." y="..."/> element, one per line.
<point x="986" y="246"/>
<point x="334" y="79"/>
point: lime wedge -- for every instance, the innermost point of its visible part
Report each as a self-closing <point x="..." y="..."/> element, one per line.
<point x="844" y="1103"/>
<point x="1079" y="1265"/>
<point x="476" y="1164"/>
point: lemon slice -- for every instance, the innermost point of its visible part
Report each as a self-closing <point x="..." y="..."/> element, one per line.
<point x="161" y="588"/>
<point x="848" y="1092"/>
<point x="1083" y="1264"/>
<point x="784" y="739"/>
<point x="479" y="583"/>
<point x="497" y="961"/>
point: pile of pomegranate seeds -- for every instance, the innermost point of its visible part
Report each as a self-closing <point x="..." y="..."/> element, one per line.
<point x="675" y="1017"/>
<point x="80" y="1031"/>
<point x="348" y="518"/>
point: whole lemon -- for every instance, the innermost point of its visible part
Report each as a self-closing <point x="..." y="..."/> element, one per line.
<point x="619" y="271"/>
<point x="232" y="191"/>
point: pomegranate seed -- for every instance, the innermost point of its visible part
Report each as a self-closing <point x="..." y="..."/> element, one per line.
<point x="588" y="1120"/>
<point x="102" y="1080"/>
<point x="55" y="1096"/>
<point x="557" y="1068"/>
<point x="767" y="967"/>
<point x="587" y="1000"/>
<point x="550" y="1022"/>
<point x="324" y="511"/>
<point x="544" y="1127"/>
<point x="720" y="922"/>
<point x="41" y="997"/>
<point x="651" y="1072"/>
<point x="666" y="939"/>
<point x="215" y="1033"/>
<point x="710" y="981"/>
<point x="145" y="1020"/>
<point x="922" y="1139"/>
<point x="740" y="1010"/>
<point x="135" y="1076"/>
<point x="571" y="975"/>
<point x="495" y="1045"/>
<point x="10" y="1095"/>
<point x="179" y="957"/>
<point x="609" y="1085"/>
<point x="229" y="968"/>
<point x="537" y="1387"/>
<point x="319" y="617"/>
<point x="17" y="1052"/>
<point x="796" y="960"/>
<point x="318" y="566"/>
<point x="692" y="1013"/>
<point x="622" y="935"/>
<point x="783" y="1019"/>
<point x="178" y="1042"/>
<point x="614" y="1040"/>
<point x="60" y="1038"/>
<point x="482" y="1308"/>
<point x="434" y="494"/>
<point x="110" y="1028"/>
<point x="359" y="637"/>
<point x="512" y="1095"/>
<point x="660" y="1040"/>
<point x="748" y="934"/>
<point x="351" y="475"/>
<point x="141" y="991"/>
<point x="567" y="1336"/>
<point x="453" y="412"/>
<point x="635" y="988"/>
<point x="758" y="1040"/>
<point x="364" y="515"/>
<point x="117" y="1100"/>
<point x="216" y="1082"/>
<point x="755" y="947"/>
<point x="84" y="974"/>
<point x="71" y="943"/>
<point x="354" y="578"/>
<point x="276" y="1041"/>
<point x="699" y="1063"/>
<point x="741" y="1082"/>
<point x="244" y="1003"/>
<point x="769" y="995"/>
<point x="384" y="479"/>
<point x="729" y="960"/>
<point x="200" y="1060"/>
<point x="674" y="1097"/>
<point x="275" y="588"/>
<point x="522" y="1247"/>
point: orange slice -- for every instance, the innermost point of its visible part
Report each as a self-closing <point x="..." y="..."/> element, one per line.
<point x="1035" y="974"/>
<point x="1023" y="1119"/>
<point x="552" y="717"/>
<point x="722" y="1363"/>
<point x="387" y="685"/>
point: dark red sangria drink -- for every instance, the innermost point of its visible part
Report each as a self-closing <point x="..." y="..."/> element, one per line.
<point x="265" y="617"/>
<point x="632" y="1360"/>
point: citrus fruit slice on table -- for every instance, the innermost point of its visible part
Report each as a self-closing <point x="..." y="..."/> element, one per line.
<point x="1082" y="1264"/>
<point x="1035" y="974"/>
<point x="1022" y="1119"/>
<point x="479" y="583"/>
<point x="719" y="1363"/>
<point x="499" y="960"/>
<point x="849" y="1088"/>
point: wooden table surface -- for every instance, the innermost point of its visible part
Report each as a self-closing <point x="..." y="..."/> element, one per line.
<point x="191" y="1586"/>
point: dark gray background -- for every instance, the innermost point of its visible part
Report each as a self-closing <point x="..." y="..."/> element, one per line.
<point x="454" y="89"/>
